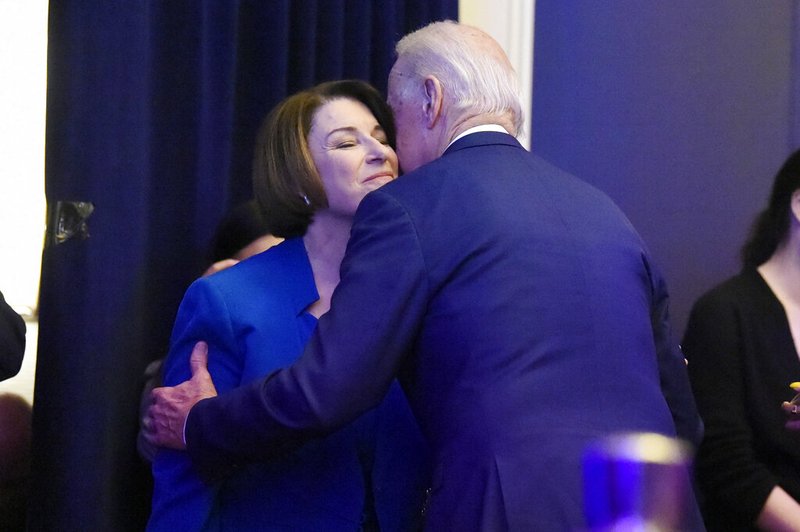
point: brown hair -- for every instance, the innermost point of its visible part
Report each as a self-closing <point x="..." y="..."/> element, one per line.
<point x="286" y="183"/>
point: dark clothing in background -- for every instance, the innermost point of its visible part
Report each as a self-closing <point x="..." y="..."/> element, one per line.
<point x="12" y="340"/>
<point x="741" y="360"/>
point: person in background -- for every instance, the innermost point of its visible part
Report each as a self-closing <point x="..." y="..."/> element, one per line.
<point x="318" y="153"/>
<point x="15" y="461"/>
<point x="742" y="341"/>
<point x="241" y="234"/>
<point x="518" y="307"/>
<point x="12" y="340"/>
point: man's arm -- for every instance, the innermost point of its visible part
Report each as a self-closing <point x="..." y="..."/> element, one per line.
<point x="346" y="367"/>
<point x="12" y="340"/>
<point x="675" y="384"/>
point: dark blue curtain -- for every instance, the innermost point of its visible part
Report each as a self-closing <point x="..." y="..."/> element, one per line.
<point x="152" y="113"/>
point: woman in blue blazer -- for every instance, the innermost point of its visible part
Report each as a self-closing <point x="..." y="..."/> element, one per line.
<point x="318" y="153"/>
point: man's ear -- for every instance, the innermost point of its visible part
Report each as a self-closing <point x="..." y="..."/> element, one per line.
<point x="433" y="101"/>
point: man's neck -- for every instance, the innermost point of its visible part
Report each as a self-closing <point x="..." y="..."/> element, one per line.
<point x="479" y="129"/>
<point x="466" y="126"/>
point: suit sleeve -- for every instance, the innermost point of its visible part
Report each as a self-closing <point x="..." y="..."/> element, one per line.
<point x="727" y="464"/>
<point x="12" y="340"/>
<point x="181" y="500"/>
<point x="673" y="374"/>
<point x="348" y="365"/>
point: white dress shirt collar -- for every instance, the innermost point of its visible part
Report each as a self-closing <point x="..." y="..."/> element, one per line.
<point x="479" y="129"/>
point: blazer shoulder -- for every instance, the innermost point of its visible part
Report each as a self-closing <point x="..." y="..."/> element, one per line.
<point x="278" y="278"/>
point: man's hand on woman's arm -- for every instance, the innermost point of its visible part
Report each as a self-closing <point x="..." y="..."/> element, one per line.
<point x="166" y="417"/>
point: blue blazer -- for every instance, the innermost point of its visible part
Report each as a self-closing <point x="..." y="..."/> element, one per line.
<point x="524" y="317"/>
<point x="253" y="318"/>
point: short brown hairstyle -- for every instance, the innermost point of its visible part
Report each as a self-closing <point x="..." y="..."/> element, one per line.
<point x="284" y="174"/>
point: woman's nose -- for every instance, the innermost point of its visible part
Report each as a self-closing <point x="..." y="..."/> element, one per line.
<point x="379" y="151"/>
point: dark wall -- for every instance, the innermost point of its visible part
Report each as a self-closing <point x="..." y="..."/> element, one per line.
<point x="682" y="111"/>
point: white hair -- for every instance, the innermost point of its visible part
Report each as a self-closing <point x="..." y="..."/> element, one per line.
<point x="477" y="80"/>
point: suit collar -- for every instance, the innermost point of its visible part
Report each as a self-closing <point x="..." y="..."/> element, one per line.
<point x="478" y="129"/>
<point x="484" y="138"/>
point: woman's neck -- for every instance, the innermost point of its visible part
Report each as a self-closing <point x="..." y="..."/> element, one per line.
<point x="325" y="242"/>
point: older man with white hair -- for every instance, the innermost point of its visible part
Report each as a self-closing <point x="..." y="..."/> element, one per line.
<point x="519" y="309"/>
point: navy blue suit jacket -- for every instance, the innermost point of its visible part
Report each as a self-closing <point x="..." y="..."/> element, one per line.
<point x="524" y="318"/>
<point x="253" y="317"/>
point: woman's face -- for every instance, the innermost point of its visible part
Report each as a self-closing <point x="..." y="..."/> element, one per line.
<point x="351" y="153"/>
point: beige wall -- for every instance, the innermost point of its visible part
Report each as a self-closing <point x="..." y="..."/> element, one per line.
<point x="23" y="62"/>
<point x="510" y="22"/>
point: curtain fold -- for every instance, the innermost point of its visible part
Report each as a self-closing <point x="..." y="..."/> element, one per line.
<point x="153" y="108"/>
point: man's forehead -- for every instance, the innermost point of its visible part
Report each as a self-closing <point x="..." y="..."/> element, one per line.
<point x="395" y="76"/>
<point x="400" y="69"/>
<point x="392" y="79"/>
<point x="391" y="89"/>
